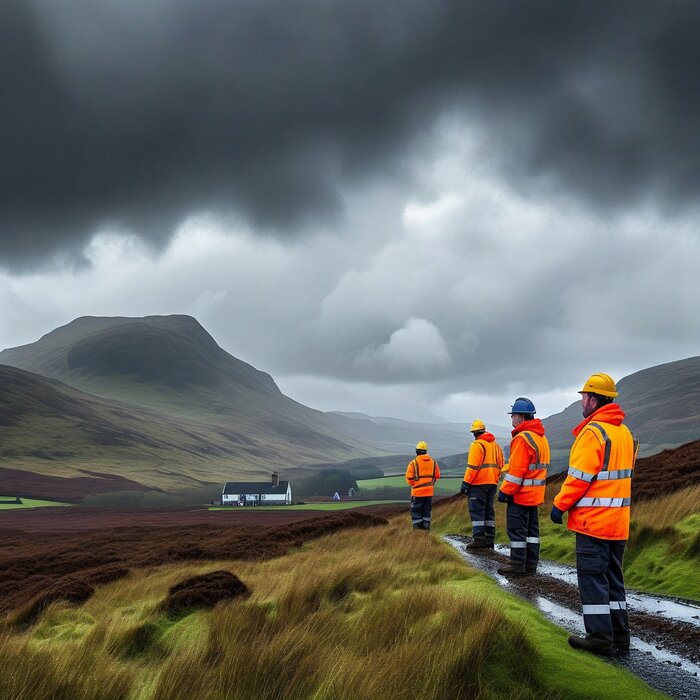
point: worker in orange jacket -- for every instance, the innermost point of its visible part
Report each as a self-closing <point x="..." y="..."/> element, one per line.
<point x="421" y="475"/>
<point x="596" y="494"/>
<point x="523" y="487"/>
<point x="484" y="464"/>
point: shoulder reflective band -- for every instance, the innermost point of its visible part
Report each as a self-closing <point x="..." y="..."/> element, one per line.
<point x="415" y="470"/>
<point x="606" y="457"/>
<point x="533" y="444"/>
<point x="578" y="474"/>
<point x="615" y="474"/>
<point x="596" y="609"/>
<point x="513" y="479"/>
<point x="534" y="482"/>
<point x="604" y="502"/>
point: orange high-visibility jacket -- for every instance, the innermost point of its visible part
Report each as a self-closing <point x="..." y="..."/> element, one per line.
<point x="421" y="473"/>
<point x="528" y="462"/>
<point x="484" y="462"/>
<point x="598" y="487"/>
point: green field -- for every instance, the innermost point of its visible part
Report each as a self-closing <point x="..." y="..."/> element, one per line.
<point x="29" y="503"/>
<point x="334" y="505"/>
<point x="449" y="485"/>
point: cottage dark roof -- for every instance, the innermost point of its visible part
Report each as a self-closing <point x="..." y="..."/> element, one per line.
<point x="261" y="487"/>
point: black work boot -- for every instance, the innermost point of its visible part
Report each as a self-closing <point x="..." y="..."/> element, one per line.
<point x="596" y="646"/>
<point x="478" y="543"/>
<point x="621" y="642"/>
<point x="489" y="543"/>
<point x="512" y="569"/>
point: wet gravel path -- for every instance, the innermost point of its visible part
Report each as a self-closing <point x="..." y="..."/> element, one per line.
<point x="666" y="631"/>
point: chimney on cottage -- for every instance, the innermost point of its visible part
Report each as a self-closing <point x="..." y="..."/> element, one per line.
<point x="275" y="479"/>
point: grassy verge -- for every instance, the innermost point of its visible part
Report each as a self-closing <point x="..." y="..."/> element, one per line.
<point x="662" y="554"/>
<point x="380" y="613"/>
<point x="29" y="503"/>
<point x="333" y="505"/>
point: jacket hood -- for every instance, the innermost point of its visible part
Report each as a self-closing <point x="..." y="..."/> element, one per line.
<point x="487" y="437"/>
<point x="535" y="425"/>
<point x="610" y="413"/>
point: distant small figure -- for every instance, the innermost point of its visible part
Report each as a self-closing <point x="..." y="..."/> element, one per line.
<point x="351" y="492"/>
<point x="336" y="496"/>
<point x="421" y="475"/>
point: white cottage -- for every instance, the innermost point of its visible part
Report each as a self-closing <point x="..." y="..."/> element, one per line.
<point x="255" y="493"/>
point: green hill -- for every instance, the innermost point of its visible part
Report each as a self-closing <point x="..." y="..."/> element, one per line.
<point x="155" y="400"/>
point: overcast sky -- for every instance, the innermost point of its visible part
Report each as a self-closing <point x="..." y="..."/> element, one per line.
<point x="406" y="208"/>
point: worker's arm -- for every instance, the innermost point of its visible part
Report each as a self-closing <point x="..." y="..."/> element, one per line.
<point x="475" y="459"/>
<point x="409" y="474"/>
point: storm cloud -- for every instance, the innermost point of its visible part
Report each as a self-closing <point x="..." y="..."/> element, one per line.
<point x="133" y="115"/>
<point x="405" y="208"/>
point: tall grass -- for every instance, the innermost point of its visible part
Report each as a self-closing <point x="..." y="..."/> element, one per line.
<point x="668" y="510"/>
<point x="381" y="613"/>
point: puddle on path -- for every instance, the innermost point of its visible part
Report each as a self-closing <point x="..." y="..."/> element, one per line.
<point x="651" y="604"/>
<point x="662" y="669"/>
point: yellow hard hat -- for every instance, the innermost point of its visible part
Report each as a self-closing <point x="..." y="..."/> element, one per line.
<point x="477" y="425"/>
<point x="422" y="445"/>
<point x="600" y="383"/>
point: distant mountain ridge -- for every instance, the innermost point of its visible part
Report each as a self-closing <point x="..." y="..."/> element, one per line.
<point x="400" y="436"/>
<point x="157" y="401"/>
<point x="174" y="350"/>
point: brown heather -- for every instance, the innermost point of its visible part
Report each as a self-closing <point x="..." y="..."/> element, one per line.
<point x="360" y="614"/>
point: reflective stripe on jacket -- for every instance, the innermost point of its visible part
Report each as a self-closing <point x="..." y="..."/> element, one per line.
<point x="598" y="488"/>
<point x="527" y="464"/>
<point x="421" y="473"/>
<point x="484" y="462"/>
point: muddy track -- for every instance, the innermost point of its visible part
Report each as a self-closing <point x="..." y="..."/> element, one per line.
<point x="666" y="631"/>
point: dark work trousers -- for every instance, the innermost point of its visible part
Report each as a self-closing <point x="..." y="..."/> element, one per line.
<point x="523" y="528"/>
<point x="602" y="588"/>
<point x="480" y="502"/>
<point x="420" y="512"/>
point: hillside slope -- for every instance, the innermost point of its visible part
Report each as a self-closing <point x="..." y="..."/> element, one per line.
<point x="157" y="401"/>
<point x="668" y="471"/>
<point x="49" y="428"/>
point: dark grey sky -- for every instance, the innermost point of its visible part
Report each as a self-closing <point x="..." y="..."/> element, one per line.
<point x="138" y="113"/>
<point x="429" y="195"/>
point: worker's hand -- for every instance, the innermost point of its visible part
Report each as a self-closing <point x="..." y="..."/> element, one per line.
<point x="556" y="515"/>
<point x="465" y="488"/>
<point x="502" y="497"/>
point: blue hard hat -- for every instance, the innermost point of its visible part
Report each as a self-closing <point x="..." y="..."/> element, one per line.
<point x="522" y="405"/>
